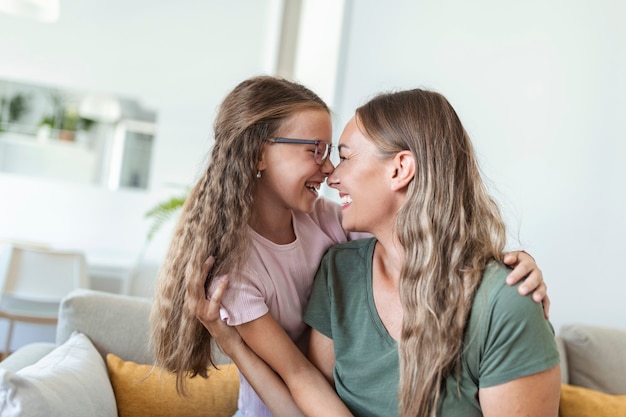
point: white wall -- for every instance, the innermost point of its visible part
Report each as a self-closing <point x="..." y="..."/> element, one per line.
<point x="180" y="58"/>
<point x="540" y="87"/>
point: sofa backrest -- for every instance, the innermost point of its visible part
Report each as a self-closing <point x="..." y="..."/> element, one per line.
<point x="595" y="357"/>
<point x="560" y="343"/>
<point x="115" y="323"/>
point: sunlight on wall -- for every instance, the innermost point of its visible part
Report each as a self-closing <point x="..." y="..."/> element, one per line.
<point x="318" y="48"/>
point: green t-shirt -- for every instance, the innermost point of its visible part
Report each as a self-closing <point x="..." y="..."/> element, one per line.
<point x="507" y="337"/>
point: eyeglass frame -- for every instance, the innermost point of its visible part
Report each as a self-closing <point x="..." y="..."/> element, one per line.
<point x="316" y="142"/>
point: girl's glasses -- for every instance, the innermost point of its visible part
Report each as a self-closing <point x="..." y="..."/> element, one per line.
<point x="322" y="149"/>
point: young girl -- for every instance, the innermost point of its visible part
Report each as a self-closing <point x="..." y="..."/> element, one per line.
<point x="256" y="209"/>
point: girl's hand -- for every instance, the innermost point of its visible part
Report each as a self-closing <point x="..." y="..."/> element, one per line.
<point x="524" y="266"/>
<point x="208" y="311"/>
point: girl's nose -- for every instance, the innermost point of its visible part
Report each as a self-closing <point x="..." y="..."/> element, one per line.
<point x="327" y="167"/>
<point x="332" y="179"/>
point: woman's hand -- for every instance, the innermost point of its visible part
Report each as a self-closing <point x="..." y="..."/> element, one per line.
<point x="208" y="311"/>
<point x="524" y="266"/>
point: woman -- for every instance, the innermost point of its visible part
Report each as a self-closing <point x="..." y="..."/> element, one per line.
<point x="408" y="175"/>
<point x="431" y="279"/>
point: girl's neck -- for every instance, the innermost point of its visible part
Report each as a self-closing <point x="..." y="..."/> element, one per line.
<point x="273" y="224"/>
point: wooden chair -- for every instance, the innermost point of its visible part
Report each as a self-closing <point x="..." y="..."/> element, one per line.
<point x="34" y="280"/>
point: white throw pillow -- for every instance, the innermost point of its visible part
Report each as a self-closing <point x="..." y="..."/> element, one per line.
<point x="72" y="380"/>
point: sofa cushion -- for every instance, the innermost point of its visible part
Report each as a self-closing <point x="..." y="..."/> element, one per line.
<point x="596" y="357"/>
<point x="27" y="355"/>
<point x="70" y="381"/>
<point x="142" y="390"/>
<point x="585" y="402"/>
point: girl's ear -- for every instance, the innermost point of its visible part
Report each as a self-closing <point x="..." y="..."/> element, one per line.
<point x="404" y="170"/>
<point x="261" y="165"/>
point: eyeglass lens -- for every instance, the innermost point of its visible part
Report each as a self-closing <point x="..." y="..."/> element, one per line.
<point x="322" y="149"/>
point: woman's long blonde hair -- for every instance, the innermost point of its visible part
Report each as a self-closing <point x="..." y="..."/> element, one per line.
<point x="215" y="216"/>
<point x="449" y="227"/>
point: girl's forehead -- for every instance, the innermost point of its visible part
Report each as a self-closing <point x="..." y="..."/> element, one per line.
<point x="309" y="124"/>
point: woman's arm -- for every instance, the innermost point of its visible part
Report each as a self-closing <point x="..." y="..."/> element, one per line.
<point x="517" y="345"/>
<point x="268" y="386"/>
<point x="524" y="266"/>
<point x="535" y="395"/>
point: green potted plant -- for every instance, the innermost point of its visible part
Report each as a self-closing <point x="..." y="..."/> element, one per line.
<point x="18" y="107"/>
<point x="163" y="212"/>
<point x="70" y="123"/>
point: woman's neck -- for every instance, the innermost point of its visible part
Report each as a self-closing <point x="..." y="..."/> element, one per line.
<point x="386" y="268"/>
<point x="388" y="258"/>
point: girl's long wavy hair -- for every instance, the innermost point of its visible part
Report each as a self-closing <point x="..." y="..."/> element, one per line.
<point x="449" y="227"/>
<point x="215" y="217"/>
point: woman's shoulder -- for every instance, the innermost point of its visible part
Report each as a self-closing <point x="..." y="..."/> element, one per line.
<point x="495" y="295"/>
<point x="507" y="336"/>
<point x="494" y="277"/>
<point x="351" y="251"/>
<point x="494" y="271"/>
<point x="347" y="262"/>
<point x="353" y="245"/>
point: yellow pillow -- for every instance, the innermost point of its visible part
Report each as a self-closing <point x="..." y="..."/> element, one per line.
<point x="143" y="391"/>
<point x="584" y="402"/>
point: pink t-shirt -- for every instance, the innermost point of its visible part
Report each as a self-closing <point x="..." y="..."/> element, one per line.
<point x="277" y="279"/>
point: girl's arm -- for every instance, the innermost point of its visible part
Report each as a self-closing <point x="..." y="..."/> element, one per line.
<point x="263" y="342"/>
<point x="268" y="386"/>
<point x="534" y="395"/>
<point x="524" y="266"/>
<point x="321" y="353"/>
<point x="309" y="388"/>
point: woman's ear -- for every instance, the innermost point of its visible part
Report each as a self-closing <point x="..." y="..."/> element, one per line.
<point x="404" y="170"/>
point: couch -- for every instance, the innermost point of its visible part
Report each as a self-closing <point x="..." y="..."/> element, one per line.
<point x="110" y="331"/>
<point x="593" y="371"/>
<point x="100" y="366"/>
